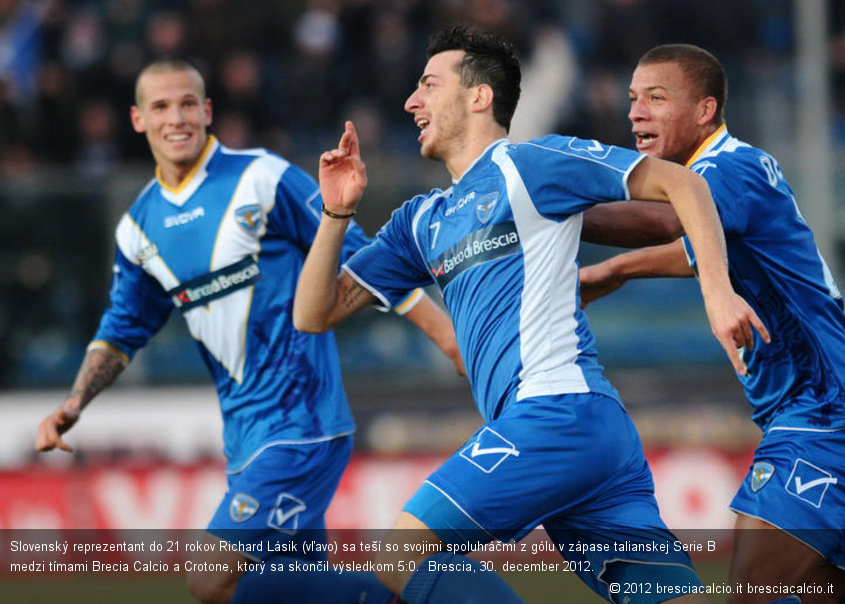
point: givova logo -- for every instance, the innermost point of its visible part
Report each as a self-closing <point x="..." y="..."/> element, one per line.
<point x="476" y="248"/>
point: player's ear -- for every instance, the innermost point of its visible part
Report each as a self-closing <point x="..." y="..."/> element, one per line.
<point x="137" y="119"/>
<point x="706" y="110"/>
<point x="482" y="97"/>
<point x="206" y="107"/>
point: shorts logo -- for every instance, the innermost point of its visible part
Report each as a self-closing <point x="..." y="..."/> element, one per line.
<point x="485" y="206"/>
<point x="285" y="516"/>
<point x="243" y="507"/>
<point x="249" y="217"/>
<point x="809" y="482"/>
<point x="488" y="450"/>
<point x="760" y="474"/>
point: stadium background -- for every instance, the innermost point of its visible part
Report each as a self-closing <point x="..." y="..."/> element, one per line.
<point x="284" y="75"/>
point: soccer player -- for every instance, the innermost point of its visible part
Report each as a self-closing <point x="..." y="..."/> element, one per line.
<point x="557" y="446"/>
<point x="221" y="235"/>
<point x="796" y="383"/>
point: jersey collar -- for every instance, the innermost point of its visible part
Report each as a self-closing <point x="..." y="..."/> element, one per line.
<point x="475" y="161"/>
<point x="709" y="143"/>
<point x="210" y="145"/>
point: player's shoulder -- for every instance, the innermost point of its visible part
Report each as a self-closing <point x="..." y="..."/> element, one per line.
<point x="557" y="147"/>
<point x="259" y="161"/>
<point x="549" y="142"/>
<point x="413" y="209"/>
<point x="727" y="155"/>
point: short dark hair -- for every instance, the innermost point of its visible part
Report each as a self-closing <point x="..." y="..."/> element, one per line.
<point x="488" y="60"/>
<point x="167" y="64"/>
<point x="702" y="69"/>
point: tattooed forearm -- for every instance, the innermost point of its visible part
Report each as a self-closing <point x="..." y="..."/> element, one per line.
<point x="98" y="372"/>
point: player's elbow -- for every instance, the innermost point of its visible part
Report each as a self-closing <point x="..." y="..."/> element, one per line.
<point x="309" y="322"/>
<point x="666" y="228"/>
<point x="307" y="326"/>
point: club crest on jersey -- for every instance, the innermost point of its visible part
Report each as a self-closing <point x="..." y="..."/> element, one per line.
<point x="809" y="482"/>
<point x="488" y="449"/>
<point x="761" y="472"/>
<point x="243" y="507"/>
<point x="284" y="517"/>
<point x="249" y="217"/>
<point x="485" y="206"/>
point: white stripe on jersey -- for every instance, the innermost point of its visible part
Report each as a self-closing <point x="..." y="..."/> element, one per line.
<point x="547" y="325"/>
<point x="221" y="326"/>
<point x="132" y="242"/>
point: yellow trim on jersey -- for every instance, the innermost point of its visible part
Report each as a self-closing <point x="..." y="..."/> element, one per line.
<point x="103" y="345"/>
<point x="409" y="302"/>
<point x="705" y="144"/>
<point x="209" y="143"/>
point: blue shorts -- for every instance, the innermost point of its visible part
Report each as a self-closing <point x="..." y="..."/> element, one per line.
<point x="280" y="499"/>
<point x="573" y="463"/>
<point x="797" y="483"/>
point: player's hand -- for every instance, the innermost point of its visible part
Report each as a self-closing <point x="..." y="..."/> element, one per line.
<point x="52" y="427"/>
<point x="597" y="281"/>
<point x="343" y="176"/>
<point x="732" y="320"/>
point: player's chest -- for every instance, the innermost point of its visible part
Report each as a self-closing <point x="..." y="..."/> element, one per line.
<point x="206" y="233"/>
<point x="467" y="229"/>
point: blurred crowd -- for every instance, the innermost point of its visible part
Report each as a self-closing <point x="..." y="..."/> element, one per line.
<point x="283" y="74"/>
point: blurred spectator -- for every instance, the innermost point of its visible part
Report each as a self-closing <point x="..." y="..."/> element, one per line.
<point x="234" y="129"/>
<point x="166" y="34"/>
<point x="98" y="152"/>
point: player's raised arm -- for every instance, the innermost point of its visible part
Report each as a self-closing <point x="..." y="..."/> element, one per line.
<point x="98" y="371"/>
<point x="731" y="318"/>
<point x="323" y="299"/>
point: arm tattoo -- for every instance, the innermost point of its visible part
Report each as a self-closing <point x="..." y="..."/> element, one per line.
<point x="98" y="372"/>
<point x="352" y="294"/>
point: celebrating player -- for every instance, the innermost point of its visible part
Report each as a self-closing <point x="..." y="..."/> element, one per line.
<point x="796" y="383"/>
<point x="557" y="447"/>
<point x="221" y="235"/>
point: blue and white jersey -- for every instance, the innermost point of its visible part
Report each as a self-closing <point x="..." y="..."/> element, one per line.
<point x="226" y="248"/>
<point x="797" y="381"/>
<point x="501" y="244"/>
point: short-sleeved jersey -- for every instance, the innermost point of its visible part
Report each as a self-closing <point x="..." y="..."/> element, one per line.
<point x="797" y="381"/>
<point x="501" y="244"/>
<point x="226" y="248"/>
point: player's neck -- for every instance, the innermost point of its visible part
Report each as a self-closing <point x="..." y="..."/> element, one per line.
<point x="173" y="174"/>
<point x="474" y="145"/>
